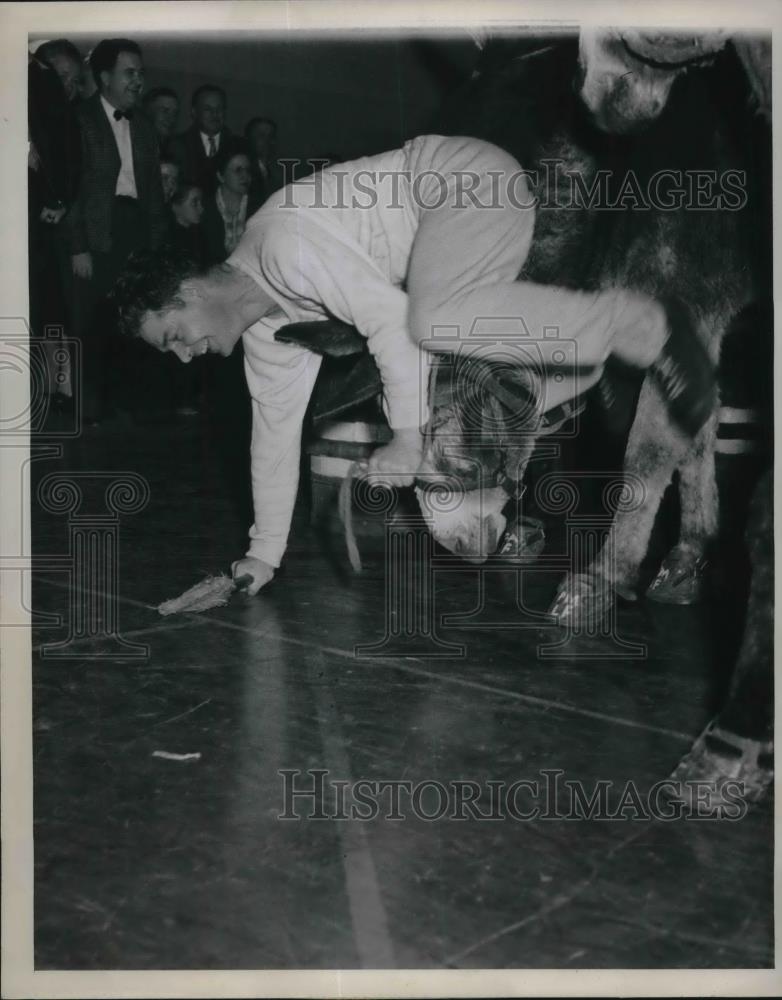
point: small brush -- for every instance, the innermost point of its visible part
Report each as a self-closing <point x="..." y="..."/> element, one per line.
<point x="211" y="592"/>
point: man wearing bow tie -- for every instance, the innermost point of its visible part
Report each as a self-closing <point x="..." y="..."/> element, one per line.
<point x="119" y="208"/>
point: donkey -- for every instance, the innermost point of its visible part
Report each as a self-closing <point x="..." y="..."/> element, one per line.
<point x="651" y="173"/>
<point x="626" y="80"/>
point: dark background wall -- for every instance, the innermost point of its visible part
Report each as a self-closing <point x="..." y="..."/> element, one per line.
<point x="351" y="94"/>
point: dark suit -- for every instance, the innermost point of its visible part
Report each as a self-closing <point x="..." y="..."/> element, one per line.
<point x="90" y="219"/>
<point x="195" y="166"/>
<point x="110" y="228"/>
<point x="54" y="133"/>
<point x="263" y="185"/>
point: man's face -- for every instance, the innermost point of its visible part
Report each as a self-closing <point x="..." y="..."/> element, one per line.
<point x="122" y="85"/>
<point x="209" y="113"/>
<point x="198" y="327"/>
<point x="262" y="140"/>
<point x="69" y="72"/>
<point x="163" y="113"/>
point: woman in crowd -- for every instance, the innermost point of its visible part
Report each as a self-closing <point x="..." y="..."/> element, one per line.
<point x="226" y="211"/>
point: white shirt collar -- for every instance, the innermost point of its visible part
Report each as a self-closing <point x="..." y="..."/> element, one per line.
<point x="109" y="109"/>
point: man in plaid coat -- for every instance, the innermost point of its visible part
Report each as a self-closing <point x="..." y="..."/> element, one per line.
<point x="119" y="209"/>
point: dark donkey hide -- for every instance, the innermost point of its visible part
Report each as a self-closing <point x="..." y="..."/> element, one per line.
<point x="524" y="98"/>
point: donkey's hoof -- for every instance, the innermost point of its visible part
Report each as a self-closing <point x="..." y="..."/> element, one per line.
<point x="582" y="602"/>
<point x="720" y="757"/>
<point x="680" y="579"/>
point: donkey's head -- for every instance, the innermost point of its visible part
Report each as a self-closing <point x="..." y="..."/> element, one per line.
<point x="626" y="75"/>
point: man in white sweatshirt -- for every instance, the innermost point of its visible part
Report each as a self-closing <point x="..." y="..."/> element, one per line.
<point x="417" y="247"/>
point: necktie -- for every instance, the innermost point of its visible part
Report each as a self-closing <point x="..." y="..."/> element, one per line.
<point x="118" y="115"/>
<point x="212" y="147"/>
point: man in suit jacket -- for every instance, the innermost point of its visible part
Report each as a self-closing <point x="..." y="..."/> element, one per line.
<point x="53" y="182"/>
<point x="268" y="174"/>
<point x="161" y="106"/>
<point x="119" y="208"/>
<point x="196" y="148"/>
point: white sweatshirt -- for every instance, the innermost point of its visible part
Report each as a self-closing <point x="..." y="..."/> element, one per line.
<point x="326" y="246"/>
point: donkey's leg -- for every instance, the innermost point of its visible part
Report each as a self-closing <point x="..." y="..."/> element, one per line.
<point x="655" y="449"/>
<point x="680" y="577"/>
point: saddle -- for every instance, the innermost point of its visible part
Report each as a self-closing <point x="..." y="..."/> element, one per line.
<point x="349" y="377"/>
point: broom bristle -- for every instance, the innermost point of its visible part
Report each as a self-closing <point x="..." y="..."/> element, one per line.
<point x="211" y="592"/>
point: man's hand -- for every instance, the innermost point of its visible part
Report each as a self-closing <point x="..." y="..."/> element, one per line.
<point x="397" y="462"/>
<point x="82" y="265"/>
<point x="52" y="215"/>
<point x="260" y="571"/>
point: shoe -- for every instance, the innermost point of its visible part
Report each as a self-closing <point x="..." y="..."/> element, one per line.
<point x="685" y="373"/>
<point x="680" y="580"/>
<point x="583" y="602"/>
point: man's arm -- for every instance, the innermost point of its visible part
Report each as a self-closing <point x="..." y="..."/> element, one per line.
<point x="77" y="232"/>
<point x="280" y="378"/>
<point x="340" y="280"/>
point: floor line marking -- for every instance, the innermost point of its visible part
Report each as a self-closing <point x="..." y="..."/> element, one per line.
<point x="367" y="912"/>
<point x="527" y="699"/>
<point x="560" y="901"/>
<point x="132" y="634"/>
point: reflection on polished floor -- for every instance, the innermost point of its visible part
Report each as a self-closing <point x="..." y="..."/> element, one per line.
<point x="158" y="792"/>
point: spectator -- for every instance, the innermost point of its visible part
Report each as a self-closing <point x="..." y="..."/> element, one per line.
<point x="87" y="85"/>
<point x="119" y="209"/>
<point x="268" y="174"/>
<point x="227" y="210"/>
<point x="65" y="59"/>
<point x="195" y="150"/>
<point x="53" y="180"/>
<point x="161" y="106"/>
<point x="187" y="234"/>
<point x="169" y="176"/>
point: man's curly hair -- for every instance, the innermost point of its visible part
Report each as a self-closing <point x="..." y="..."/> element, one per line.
<point x="150" y="282"/>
